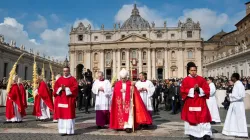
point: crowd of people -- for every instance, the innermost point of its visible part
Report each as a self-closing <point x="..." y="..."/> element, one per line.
<point x="128" y="105"/>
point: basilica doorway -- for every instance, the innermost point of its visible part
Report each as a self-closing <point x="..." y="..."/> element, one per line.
<point x="79" y="71"/>
<point x="160" y="73"/>
<point x="108" y="74"/>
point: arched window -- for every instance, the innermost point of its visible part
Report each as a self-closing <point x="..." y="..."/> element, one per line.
<point x="79" y="57"/>
<point x="159" y="55"/>
<point x="190" y="54"/>
<point x="144" y="55"/>
<point x="173" y="54"/>
<point x="95" y="56"/>
<point x="123" y="55"/>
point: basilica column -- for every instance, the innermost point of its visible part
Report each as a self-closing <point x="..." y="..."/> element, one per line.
<point x="101" y="60"/>
<point x="153" y="64"/>
<point x="118" y="62"/>
<point x="166" y="63"/>
<point x="88" y="59"/>
<point x="140" y="61"/>
<point x="114" y="63"/>
<point x="180" y="63"/>
<point x="127" y="61"/>
<point x="198" y="60"/>
<point x="82" y="61"/>
<point x="73" y="62"/>
<point x="149" y="65"/>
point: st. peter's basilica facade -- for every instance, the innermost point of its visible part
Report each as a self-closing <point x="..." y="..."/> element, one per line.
<point x="137" y="45"/>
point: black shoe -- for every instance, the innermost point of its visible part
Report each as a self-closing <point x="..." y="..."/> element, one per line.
<point x="99" y="127"/>
<point x="213" y="122"/>
<point x="191" y="137"/>
<point x="128" y="130"/>
<point x="206" y="137"/>
<point x="63" y="134"/>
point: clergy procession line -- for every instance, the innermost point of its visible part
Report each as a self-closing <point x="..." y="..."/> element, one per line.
<point x="127" y="105"/>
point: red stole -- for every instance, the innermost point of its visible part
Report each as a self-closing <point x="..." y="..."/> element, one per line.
<point x="119" y="115"/>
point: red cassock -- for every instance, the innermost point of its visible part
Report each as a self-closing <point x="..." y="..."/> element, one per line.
<point x="43" y="93"/>
<point x="67" y="108"/>
<point x="23" y="94"/>
<point x="14" y="96"/>
<point x="202" y="115"/>
<point x="120" y="115"/>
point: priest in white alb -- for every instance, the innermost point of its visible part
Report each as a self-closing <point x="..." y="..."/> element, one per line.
<point x="102" y="89"/>
<point x="146" y="89"/>
<point x="211" y="102"/>
<point x="235" y="123"/>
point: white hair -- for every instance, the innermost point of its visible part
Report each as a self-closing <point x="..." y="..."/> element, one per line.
<point x="19" y="80"/>
<point x="100" y="72"/>
<point x="15" y="78"/>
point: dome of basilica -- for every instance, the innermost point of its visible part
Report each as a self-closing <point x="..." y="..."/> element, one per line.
<point x="135" y="21"/>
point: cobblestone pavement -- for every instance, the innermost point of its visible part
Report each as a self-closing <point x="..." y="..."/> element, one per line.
<point x="165" y="126"/>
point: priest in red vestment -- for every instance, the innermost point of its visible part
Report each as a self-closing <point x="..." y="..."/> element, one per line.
<point x="14" y="106"/>
<point x="43" y="103"/>
<point x="195" y="113"/>
<point x="123" y="116"/>
<point x="65" y="93"/>
<point x="23" y="92"/>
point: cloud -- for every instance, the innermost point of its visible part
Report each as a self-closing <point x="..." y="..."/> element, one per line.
<point x="211" y="21"/>
<point x="54" y="18"/>
<point x="38" y="25"/>
<point x="52" y="42"/>
<point x="11" y="22"/>
<point x="55" y="42"/>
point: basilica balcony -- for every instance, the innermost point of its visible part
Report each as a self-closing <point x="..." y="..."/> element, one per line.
<point x="238" y="51"/>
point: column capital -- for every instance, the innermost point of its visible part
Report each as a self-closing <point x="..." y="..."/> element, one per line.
<point x="180" y="49"/>
<point x="88" y="51"/>
<point x="199" y="48"/>
<point x="166" y="49"/>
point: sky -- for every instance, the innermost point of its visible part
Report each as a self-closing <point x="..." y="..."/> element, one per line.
<point x="44" y="25"/>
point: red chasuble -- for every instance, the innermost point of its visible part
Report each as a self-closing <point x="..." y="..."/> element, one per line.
<point x="23" y="94"/>
<point x="43" y="93"/>
<point x="65" y="105"/>
<point x="195" y="109"/>
<point x="119" y="114"/>
<point x="14" y="96"/>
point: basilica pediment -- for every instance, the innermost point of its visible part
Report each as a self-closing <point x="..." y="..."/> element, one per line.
<point x="134" y="38"/>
